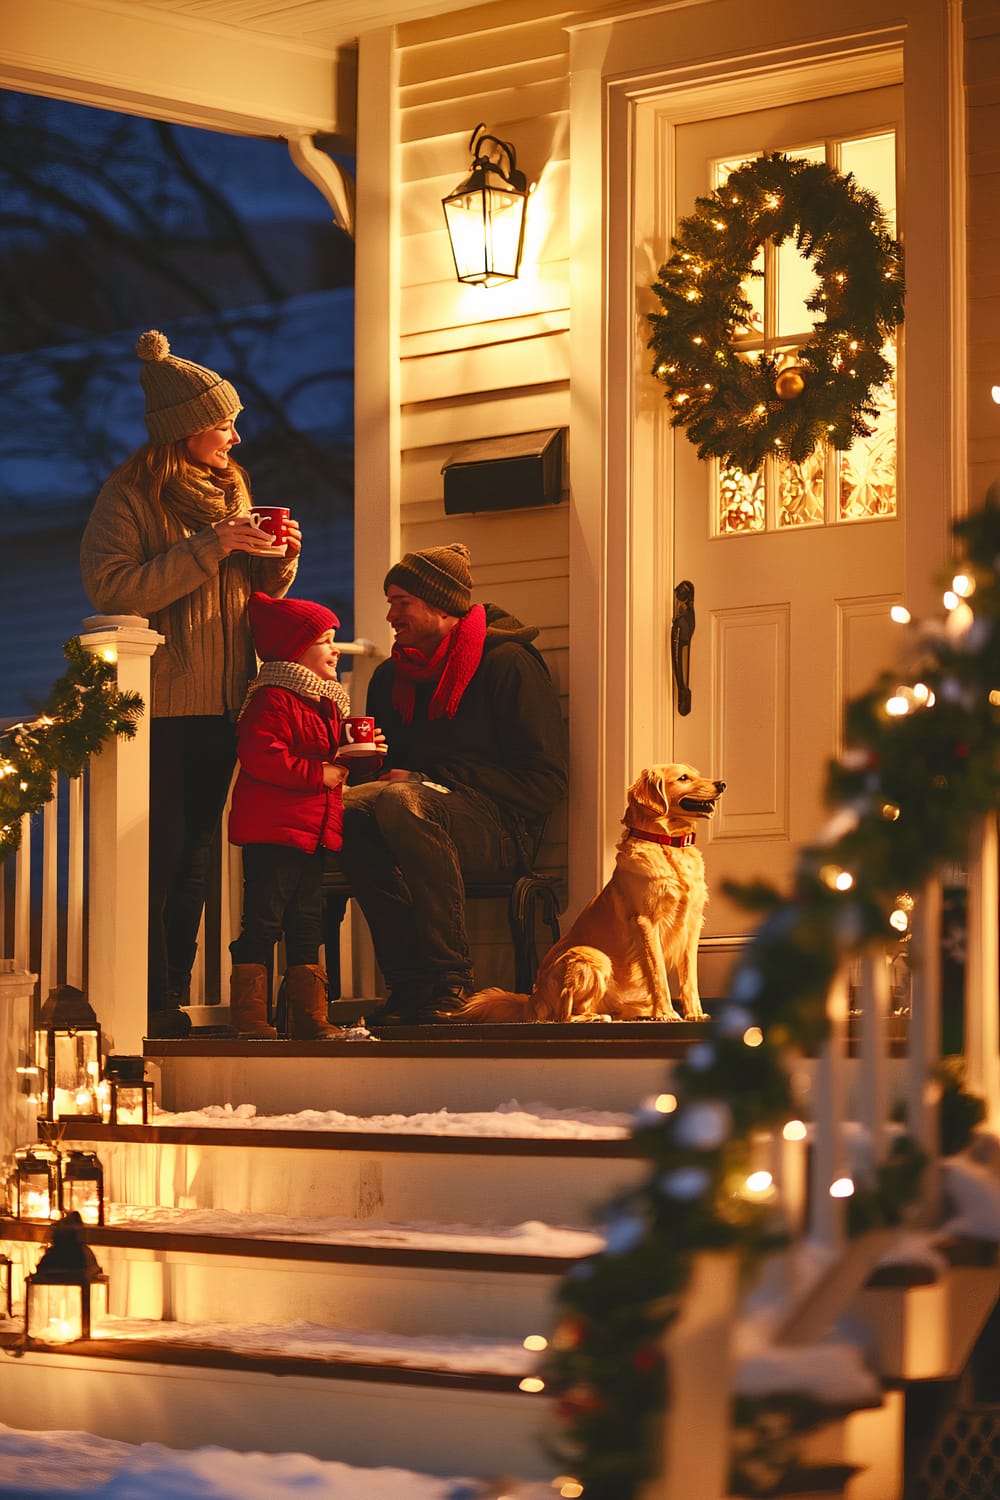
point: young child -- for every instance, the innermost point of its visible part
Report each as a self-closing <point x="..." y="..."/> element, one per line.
<point x="287" y="809"/>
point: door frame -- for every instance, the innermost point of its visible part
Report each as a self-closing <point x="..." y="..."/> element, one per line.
<point x="632" y="79"/>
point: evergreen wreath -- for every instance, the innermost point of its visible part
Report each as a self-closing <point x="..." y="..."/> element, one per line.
<point x="737" y="406"/>
<point x="83" y="709"/>
<point x="923" y="766"/>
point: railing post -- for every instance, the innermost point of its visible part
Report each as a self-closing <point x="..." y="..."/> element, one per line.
<point x="872" y="1105"/>
<point x="118" y="920"/>
<point x="982" y="985"/>
<point x="17" y="1115"/>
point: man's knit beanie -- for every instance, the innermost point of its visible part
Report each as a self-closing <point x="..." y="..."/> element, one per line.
<point x="440" y="576"/>
<point x="181" y="398"/>
<point x="284" y="628"/>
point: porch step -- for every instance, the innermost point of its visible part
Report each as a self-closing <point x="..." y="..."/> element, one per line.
<point x="356" y="1410"/>
<point x="480" y="1180"/>
<point x="409" y="1069"/>
<point x="205" y="1267"/>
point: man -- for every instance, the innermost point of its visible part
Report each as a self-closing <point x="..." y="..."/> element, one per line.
<point x="475" y="764"/>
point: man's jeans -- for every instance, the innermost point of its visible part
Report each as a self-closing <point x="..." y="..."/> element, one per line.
<point x="406" y="850"/>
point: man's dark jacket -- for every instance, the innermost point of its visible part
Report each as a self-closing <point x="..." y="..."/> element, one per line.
<point x="507" y="741"/>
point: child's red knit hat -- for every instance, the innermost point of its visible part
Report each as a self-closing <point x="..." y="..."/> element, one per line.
<point x="284" y="628"/>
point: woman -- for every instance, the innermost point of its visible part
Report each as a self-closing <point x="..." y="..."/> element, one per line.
<point x="171" y="537"/>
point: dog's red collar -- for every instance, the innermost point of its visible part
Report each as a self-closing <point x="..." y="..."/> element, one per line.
<point x="675" y="840"/>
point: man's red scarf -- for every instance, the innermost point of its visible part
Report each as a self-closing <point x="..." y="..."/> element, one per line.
<point x="451" y="667"/>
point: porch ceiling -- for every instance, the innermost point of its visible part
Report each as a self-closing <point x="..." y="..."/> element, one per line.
<point x="327" y="24"/>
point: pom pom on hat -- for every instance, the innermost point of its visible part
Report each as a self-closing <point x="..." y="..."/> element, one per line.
<point x="181" y="398"/>
<point x="440" y="576"/>
<point x="284" y="628"/>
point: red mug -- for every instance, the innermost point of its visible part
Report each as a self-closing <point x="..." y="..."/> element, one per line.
<point x="273" y="519"/>
<point x="357" y="736"/>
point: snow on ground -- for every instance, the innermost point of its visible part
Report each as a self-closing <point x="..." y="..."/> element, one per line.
<point x="511" y="1119"/>
<point x="530" y="1238"/>
<point x="46" y="1465"/>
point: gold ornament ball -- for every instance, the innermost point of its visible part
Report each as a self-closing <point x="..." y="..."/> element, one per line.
<point x="790" y="383"/>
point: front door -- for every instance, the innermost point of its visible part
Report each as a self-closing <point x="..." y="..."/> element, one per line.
<point x="794" y="568"/>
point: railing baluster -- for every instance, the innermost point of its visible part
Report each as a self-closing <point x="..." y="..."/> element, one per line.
<point x="925" y="1018"/>
<point x="982" y="986"/>
<point x="22" y="897"/>
<point x="49" y="956"/>
<point x="873" y="1063"/>
<point x="74" y="886"/>
<point x="830" y="1097"/>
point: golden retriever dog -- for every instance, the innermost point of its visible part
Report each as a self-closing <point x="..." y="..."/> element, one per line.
<point x="614" y="961"/>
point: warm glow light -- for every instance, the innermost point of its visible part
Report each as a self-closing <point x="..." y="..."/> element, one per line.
<point x="794" y="1130"/>
<point x="963" y="585"/>
<point x="950" y="599"/>
<point x="531" y="1383"/>
<point x="567" y="1486"/>
<point x="897" y="706"/>
<point x="995" y="393"/>
<point x="890" y="812"/>
<point x="900" y="614"/>
<point x="665" y="1103"/>
<point x="836" y="878"/>
<point x="536" y="1342"/>
<point x="109" y="653"/>
<point x="898" y="920"/>
<point x="759" y="1182"/>
<point x="753" y="1036"/>
<point x="995" y="697"/>
<point x="842" y="1188"/>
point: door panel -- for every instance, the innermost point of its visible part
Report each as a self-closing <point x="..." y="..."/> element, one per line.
<point x="792" y="619"/>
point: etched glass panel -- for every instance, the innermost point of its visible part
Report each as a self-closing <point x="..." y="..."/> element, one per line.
<point x="741" y="501"/>
<point x="801" y="491"/>
<point x="867" y="480"/>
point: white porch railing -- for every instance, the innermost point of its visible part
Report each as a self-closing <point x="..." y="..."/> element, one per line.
<point x="84" y="915"/>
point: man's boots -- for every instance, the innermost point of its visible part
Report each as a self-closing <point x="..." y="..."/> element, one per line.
<point x="248" y="1003"/>
<point x="306" y="994"/>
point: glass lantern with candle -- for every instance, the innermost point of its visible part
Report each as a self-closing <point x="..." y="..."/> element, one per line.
<point x="34" y="1187"/>
<point x="131" y="1091"/>
<point x="67" y="1293"/>
<point x="69" y="1056"/>
<point x="83" y="1185"/>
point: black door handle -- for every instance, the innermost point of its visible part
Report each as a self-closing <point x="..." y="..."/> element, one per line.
<point x="681" y="632"/>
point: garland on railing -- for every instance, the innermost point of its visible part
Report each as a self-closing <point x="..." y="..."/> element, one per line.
<point x="923" y="766"/>
<point x="83" y="710"/>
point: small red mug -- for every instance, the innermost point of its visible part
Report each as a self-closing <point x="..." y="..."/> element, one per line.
<point x="273" y="519"/>
<point x="357" y="736"/>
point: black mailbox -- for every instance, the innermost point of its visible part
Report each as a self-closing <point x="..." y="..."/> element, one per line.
<point x="505" y="473"/>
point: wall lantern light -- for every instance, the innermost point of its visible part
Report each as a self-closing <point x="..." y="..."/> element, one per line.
<point x="83" y="1185"/>
<point x="485" y="213"/>
<point x="67" y="1293"/>
<point x="69" y="1056"/>
<point x="34" y="1187"/>
<point x="131" y="1090"/>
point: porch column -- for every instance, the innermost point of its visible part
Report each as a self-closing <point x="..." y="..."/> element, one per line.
<point x="118" y="865"/>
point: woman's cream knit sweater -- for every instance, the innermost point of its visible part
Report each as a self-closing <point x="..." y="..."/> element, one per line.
<point x="137" y="559"/>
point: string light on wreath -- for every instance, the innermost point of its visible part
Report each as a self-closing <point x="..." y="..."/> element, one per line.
<point x="739" y="405"/>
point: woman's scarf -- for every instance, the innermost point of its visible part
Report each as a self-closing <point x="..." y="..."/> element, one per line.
<point x="452" y="667"/>
<point x="298" y="679"/>
<point x="203" y="501"/>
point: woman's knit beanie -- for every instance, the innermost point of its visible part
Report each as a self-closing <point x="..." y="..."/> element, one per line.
<point x="440" y="576"/>
<point x="284" y="628"/>
<point x="181" y="398"/>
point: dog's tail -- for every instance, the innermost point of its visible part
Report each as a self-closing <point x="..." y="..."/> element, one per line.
<point x="495" y="1005"/>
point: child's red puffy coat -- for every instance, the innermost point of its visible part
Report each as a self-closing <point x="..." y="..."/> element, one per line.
<point x="279" y="798"/>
